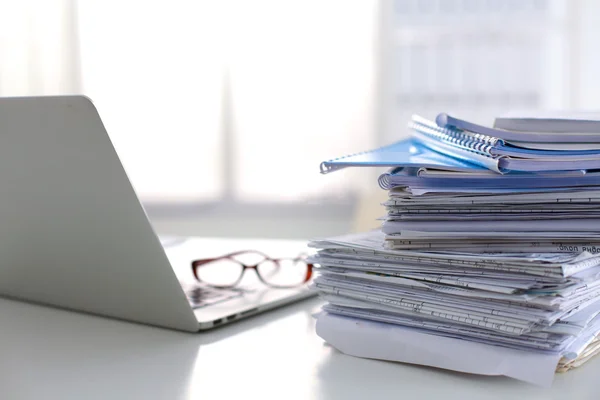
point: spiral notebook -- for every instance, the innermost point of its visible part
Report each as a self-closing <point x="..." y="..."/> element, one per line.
<point x="563" y="136"/>
<point x="491" y="145"/>
<point x="481" y="149"/>
<point x="424" y="178"/>
<point x="553" y="121"/>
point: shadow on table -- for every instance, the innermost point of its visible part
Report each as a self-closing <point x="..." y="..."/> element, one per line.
<point x="44" y="349"/>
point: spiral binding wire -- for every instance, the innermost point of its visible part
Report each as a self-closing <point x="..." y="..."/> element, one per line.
<point x="474" y="142"/>
<point x="384" y="181"/>
<point x="479" y="143"/>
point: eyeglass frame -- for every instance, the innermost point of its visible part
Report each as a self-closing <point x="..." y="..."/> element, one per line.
<point x="200" y="262"/>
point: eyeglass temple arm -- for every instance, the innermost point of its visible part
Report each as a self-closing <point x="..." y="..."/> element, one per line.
<point x="309" y="271"/>
<point x="309" y="266"/>
<point x="202" y="261"/>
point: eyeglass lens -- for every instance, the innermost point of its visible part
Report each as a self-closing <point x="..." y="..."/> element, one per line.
<point x="283" y="272"/>
<point x="220" y="272"/>
<point x="227" y="272"/>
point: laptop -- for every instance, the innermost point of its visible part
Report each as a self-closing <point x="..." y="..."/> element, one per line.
<point x="74" y="234"/>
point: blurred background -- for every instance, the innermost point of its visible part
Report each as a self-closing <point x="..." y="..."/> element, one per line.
<point x="222" y="110"/>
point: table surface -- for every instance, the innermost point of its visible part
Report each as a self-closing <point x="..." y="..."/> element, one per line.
<point x="56" y="354"/>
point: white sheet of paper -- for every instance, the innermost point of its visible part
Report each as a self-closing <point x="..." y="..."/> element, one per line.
<point x="534" y="340"/>
<point x="498" y="320"/>
<point x="509" y="247"/>
<point x="570" y="197"/>
<point x="368" y="339"/>
<point x="374" y="243"/>
<point x="378" y="264"/>
<point x="556" y="235"/>
<point x="482" y="227"/>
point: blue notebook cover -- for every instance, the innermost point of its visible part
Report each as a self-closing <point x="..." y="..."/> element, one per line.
<point x="406" y="153"/>
<point x="515" y="181"/>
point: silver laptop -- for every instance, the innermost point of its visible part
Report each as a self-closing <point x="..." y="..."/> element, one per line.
<point x="73" y="233"/>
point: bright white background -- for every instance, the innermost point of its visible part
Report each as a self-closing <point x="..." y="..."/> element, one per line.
<point x="222" y="110"/>
<point x="207" y="99"/>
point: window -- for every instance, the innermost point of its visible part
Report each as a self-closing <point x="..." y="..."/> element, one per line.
<point x="231" y="100"/>
<point x="478" y="58"/>
<point x="224" y="109"/>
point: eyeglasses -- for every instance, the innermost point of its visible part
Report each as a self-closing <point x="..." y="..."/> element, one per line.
<point x="227" y="271"/>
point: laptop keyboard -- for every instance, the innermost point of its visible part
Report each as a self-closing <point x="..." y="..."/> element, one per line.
<point x="201" y="296"/>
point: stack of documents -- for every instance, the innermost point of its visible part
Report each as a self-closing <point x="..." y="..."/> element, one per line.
<point x="481" y="246"/>
<point x="481" y="220"/>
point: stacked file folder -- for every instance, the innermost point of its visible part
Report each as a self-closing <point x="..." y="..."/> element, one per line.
<point x="491" y="239"/>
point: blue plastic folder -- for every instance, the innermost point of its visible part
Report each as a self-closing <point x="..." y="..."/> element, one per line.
<point x="406" y="153"/>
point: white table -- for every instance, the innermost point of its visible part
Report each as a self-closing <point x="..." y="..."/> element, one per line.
<point x="46" y="353"/>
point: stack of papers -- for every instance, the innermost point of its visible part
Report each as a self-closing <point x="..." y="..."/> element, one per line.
<point x="491" y="221"/>
<point x="508" y="264"/>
